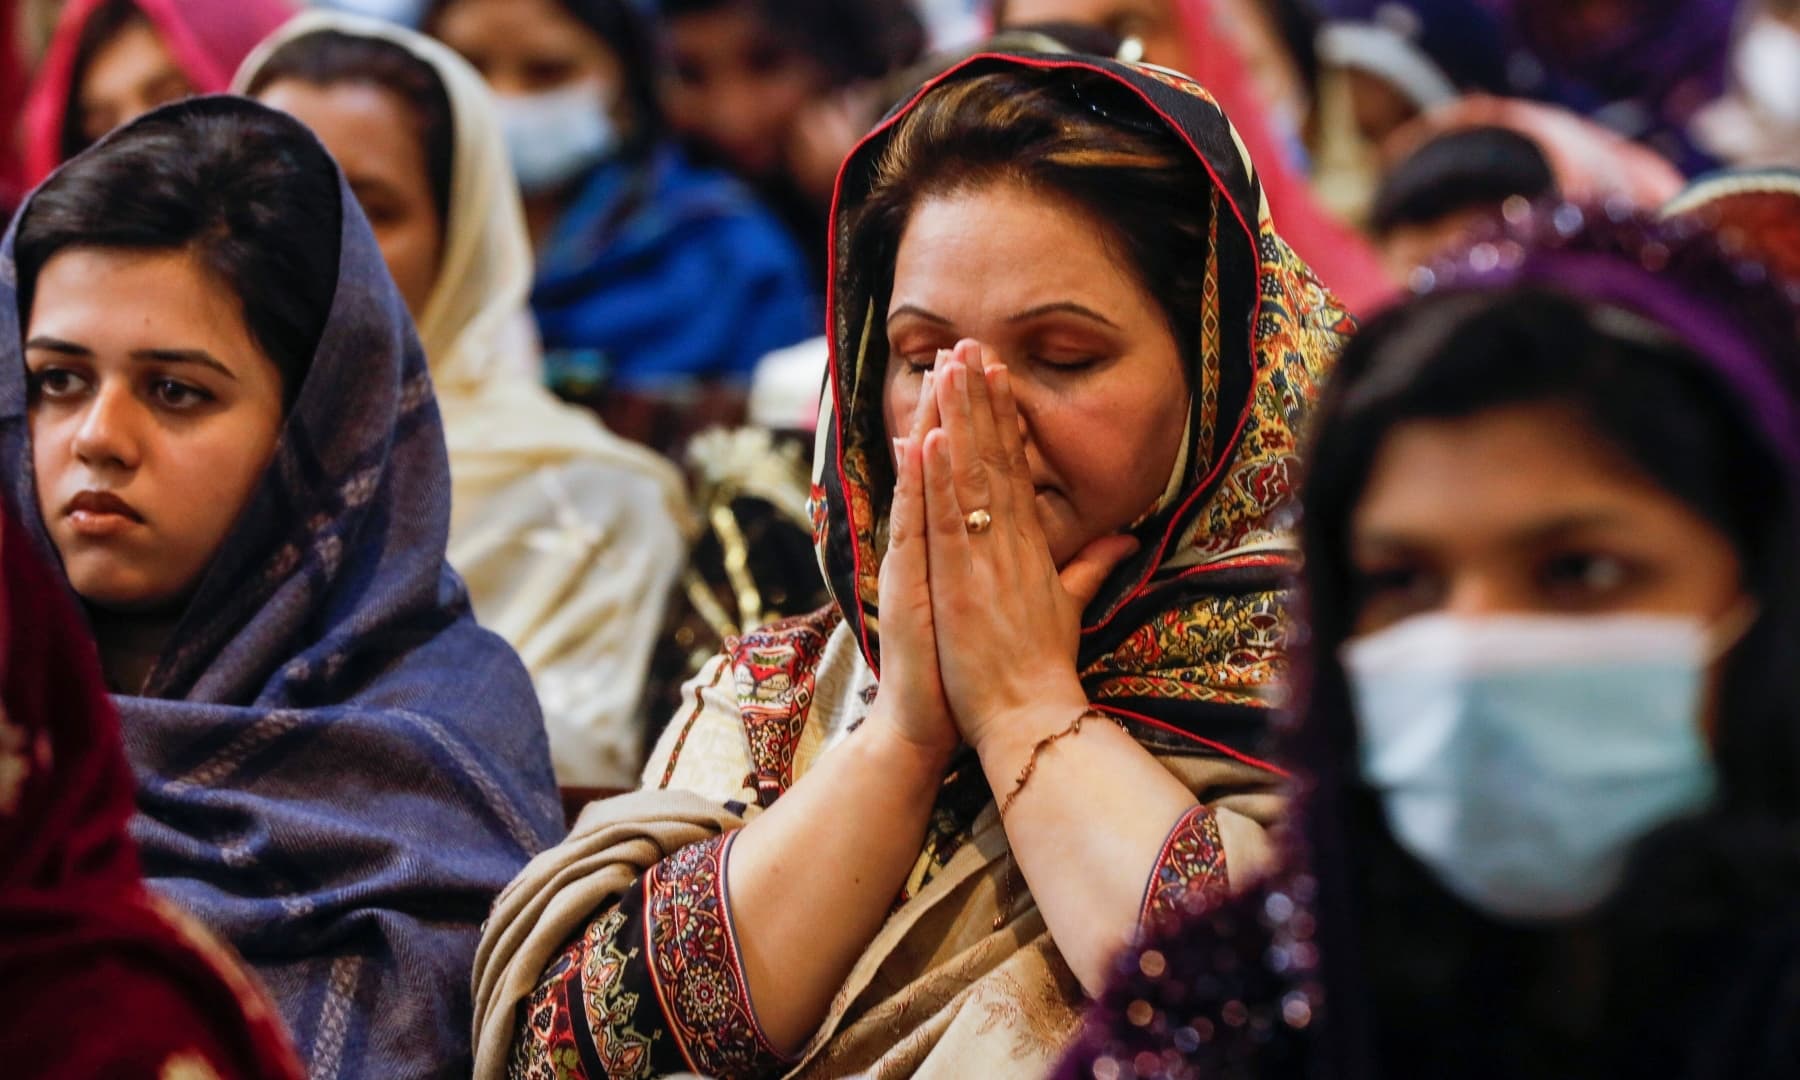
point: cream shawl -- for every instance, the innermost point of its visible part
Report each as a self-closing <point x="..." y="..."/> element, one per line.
<point x="950" y="987"/>
<point x="568" y="537"/>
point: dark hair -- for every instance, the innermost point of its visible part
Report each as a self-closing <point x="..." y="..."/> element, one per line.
<point x="1477" y="168"/>
<point x="632" y="38"/>
<point x="105" y="23"/>
<point x="1061" y="137"/>
<point x="1663" y="409"/>
<point x="247" y="190"/>
<point x="331" y="57"/>
<point x="851" y="40"/>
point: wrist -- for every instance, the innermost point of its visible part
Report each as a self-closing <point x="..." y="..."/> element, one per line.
<point x="1011" y="734"/>
<point x="912" y="760"/>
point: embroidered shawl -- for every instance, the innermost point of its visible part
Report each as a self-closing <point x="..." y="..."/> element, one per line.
<point x="337" y="768"/>
<point x="964" y="979"/>
<point x="1186" y="639"/>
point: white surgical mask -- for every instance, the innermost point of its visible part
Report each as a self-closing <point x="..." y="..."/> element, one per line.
<point x="1767" y="63"/>
<point x="554" y="136"/>
<point x="1520" y="757"/>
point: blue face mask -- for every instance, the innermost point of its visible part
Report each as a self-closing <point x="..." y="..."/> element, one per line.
<point x="1520" y="757"/>
<point x="555" y="136"/>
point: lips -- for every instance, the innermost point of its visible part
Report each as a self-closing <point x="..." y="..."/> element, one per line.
<point x="100" y="516"/>
<point x="101" y="504"/>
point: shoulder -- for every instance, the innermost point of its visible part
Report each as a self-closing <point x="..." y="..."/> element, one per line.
<point x="767" y="706"/>
<point x="790" y="646"/>
<point x="720" y="208"/>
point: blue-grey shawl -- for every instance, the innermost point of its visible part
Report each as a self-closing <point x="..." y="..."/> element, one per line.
<point x="337" y="769"/>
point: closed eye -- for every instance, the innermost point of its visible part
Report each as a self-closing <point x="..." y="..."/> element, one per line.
<point x="1067" y="362"/>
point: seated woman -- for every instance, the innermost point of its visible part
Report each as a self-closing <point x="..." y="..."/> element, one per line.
<point x="79" y="932"/>
<point x="1552" y="764"/>
<point x="222" y="427"/>
<point x="659" y="284"/>
<point x="1048" y="301"/>
<point x="569" y="537"/>
<point x="111" y="61"/>
<point x="779" y="91"/>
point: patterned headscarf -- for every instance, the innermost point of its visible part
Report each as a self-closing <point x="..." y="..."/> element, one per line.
<point x="1186" y="638"/>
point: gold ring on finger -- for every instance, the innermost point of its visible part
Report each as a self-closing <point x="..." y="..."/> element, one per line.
<point x="978" y="521"/>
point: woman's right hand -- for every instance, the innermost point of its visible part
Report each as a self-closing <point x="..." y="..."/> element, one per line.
<point x="910" y="701"/>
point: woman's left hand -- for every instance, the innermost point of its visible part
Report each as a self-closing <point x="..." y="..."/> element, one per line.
<point x="1008" y="621"/>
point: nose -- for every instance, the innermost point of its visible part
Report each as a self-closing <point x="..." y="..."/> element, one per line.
<point x="107" y="436"/>
<point x="1476" y="594"/>
<point x="1028" y="398"/>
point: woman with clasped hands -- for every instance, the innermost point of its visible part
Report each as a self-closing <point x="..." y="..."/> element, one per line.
<point x="904" y="834"/>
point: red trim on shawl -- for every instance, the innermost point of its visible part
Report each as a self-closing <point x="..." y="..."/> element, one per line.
<point x="837" y="389"/>
<point x="1218" y="747"/>
<point x="1242" y="562"/>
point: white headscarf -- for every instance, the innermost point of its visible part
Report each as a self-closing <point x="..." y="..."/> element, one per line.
<point x="568" y="536"/>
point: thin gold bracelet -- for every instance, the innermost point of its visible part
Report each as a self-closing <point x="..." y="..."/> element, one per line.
<point x="1042" y="745"/>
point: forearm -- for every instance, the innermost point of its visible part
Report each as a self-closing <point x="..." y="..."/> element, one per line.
<point x="812" y="879"/>
<point x="1087" y="828"/>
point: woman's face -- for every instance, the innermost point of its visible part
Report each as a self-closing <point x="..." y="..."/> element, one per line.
<point x="374" y="137"/>
<point x="1102" y="398"/>
<point x="524" y="47"/>
<point x="128" y="76"/>
<point x="153" y="414"/>
<point x="733" y="87"/>
<point x="1523" y="509"/>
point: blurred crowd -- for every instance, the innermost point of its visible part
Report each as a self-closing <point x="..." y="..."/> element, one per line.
<point x="1114" y="538"/>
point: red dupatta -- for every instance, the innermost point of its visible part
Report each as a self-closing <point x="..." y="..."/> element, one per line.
<point x="207" y="38"/>
<point x="80" y="935"/>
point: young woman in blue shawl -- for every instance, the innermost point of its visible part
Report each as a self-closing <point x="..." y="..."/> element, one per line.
<point x="215" y="416"/>
<point x="660" y="283"/>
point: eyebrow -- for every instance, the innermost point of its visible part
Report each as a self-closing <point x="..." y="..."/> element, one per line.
<point x="917" y="312"/>
<point x="365" y="184"/>
<point x="1061" y="307"/>
<point x="1536" y="533"/>
<point x="155" y="356"/>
